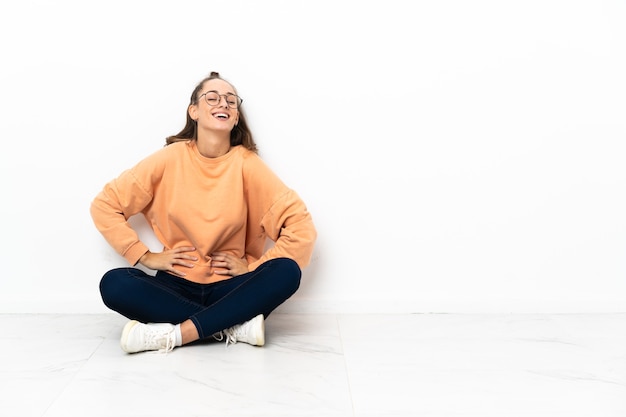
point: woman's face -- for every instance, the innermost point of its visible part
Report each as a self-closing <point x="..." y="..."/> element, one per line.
<point x="212" y="110"/>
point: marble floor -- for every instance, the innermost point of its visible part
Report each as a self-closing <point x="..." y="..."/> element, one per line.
<point x="323" y="365"/>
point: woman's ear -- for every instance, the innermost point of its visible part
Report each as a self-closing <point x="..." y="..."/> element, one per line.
<point x="193" y="111"/>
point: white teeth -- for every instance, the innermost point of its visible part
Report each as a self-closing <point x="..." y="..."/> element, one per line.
<point x="221" y="115"/>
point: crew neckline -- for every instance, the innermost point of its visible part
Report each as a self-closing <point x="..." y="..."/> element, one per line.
<point x="217" y="159"/>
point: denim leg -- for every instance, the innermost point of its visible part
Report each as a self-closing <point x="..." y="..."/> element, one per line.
<point x="139" y="296"/>
<point x="165" y="298"/>
<point x="248" y="295"/>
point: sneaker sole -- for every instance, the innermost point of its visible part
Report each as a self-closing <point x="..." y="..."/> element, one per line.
<point x="260" y="338"/>
<point x="124" y="339"/>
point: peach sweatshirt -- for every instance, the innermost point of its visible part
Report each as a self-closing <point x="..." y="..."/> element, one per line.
<point x="231" y="204"/>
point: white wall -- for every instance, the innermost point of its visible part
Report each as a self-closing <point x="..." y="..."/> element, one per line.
<point x="457" y="156"/>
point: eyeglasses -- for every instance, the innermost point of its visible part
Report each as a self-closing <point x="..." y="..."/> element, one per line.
<point x="213" y="99"/>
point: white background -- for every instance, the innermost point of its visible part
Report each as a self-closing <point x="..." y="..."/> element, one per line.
<point x="457" y="156"/>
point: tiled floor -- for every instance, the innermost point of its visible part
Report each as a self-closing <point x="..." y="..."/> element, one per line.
<point x="323" y="365"/>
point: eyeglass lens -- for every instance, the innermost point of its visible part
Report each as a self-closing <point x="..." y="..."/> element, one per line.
<point x="214" y="99"/>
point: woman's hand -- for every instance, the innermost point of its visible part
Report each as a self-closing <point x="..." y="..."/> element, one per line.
<point x="229" y="264"/>
<point x="166" y="260"/>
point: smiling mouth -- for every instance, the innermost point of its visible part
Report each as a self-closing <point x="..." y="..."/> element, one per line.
<point x="221" y="116"/>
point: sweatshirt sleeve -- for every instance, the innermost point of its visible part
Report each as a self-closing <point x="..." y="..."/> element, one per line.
<point x="278" y="213"/>
<point x="289" y="224"/>
<point x="110" y="210"/>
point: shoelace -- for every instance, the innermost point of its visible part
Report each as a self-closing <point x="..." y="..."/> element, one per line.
<point x="154" y="339"/>
<point x="229" y="334"/>
<point x="170" y="342"/>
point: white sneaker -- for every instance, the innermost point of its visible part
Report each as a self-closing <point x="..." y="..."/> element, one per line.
<point x="138" y="337"/>
<point x="251" y="332"/>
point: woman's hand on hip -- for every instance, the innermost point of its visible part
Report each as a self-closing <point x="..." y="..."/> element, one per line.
<point x="228" y="264"/>
<point x="166" y="260"/>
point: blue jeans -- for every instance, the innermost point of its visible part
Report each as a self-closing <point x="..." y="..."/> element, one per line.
<point x="166" y="298"/>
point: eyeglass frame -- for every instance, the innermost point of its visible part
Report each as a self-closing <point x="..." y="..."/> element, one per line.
<point x="239" y="99"/>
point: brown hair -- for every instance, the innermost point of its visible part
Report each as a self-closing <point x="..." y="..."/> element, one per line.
<point x="240" y="135"/>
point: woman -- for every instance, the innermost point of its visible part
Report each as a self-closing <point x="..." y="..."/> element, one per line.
<point x="212" y="203"/>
